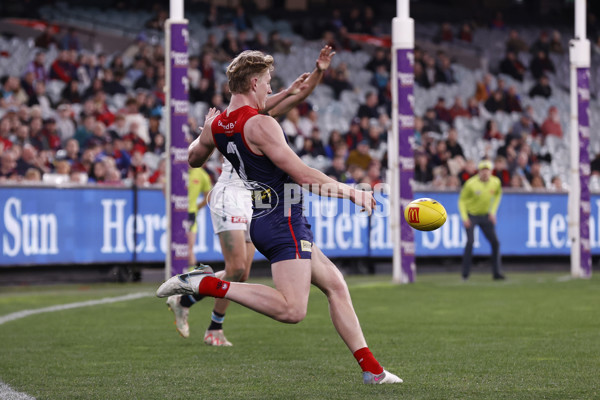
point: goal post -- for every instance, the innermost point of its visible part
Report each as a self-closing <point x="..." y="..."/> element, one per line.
<point x="400" y="152"/>
<point x="176" y="114"/>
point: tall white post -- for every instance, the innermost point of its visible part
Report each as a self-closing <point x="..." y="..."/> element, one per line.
<point x="400" y="153"/>
<point x="176" y="115"/>
<point x="579" y="195"/>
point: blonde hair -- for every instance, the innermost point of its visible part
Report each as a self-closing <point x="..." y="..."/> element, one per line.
<point x="247" y="65"/>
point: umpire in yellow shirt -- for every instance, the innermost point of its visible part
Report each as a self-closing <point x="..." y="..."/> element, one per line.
<point x="478" y="203"/>
<point x="199" y="184"/>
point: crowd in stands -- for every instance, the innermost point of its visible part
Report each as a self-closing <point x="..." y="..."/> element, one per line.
<point x="85" y="136"/>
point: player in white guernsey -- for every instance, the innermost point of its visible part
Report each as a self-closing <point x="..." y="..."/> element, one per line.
<point x="231" y="213"/>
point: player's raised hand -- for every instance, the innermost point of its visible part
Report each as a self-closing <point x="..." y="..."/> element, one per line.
<point x="298" y="85"/>
<point x="325" y="57"/>
<point x="365" y="200"/>
<point x="212" y="114"/>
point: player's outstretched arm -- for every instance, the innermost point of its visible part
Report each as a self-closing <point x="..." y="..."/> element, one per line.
<point x="201" y="148"/>
<point x="265" y="134"/>
<point x="299" y="91"/>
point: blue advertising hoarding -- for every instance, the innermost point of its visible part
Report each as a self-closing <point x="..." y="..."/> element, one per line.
<point x="95" y="225"/>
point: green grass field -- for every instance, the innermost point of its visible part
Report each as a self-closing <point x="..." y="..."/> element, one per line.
<point x="535" y="336"/>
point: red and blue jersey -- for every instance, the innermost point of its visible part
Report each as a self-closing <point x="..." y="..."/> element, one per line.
<point x="279" y="230"/>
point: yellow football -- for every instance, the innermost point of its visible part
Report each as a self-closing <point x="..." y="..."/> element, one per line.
<point x="425" y="214"/>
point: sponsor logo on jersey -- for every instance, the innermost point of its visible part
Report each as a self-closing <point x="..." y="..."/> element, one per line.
<point x="305" y="245"/>
<point x="239" y="220"/>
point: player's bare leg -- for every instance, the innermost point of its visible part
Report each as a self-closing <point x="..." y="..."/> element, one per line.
<point x="287" y="302"/>
<point x="327" y="277"/>
<point x="238" y="256"/>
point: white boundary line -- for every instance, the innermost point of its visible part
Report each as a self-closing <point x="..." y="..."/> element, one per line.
<point x="8" y="393"/>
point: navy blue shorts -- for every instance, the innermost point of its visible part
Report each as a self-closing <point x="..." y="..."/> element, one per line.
<point x="282" y="237"/>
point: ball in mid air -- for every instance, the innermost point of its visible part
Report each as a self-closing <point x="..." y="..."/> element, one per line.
<point x="425" y="214"/>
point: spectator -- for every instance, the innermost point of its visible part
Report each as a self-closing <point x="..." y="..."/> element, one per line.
<point x="423" y="168"/>
<point x="308" y="122"/>
<point x="498" y="21"/>
<point x="8" y="164"/>
<point x="469" y="170"/>
<point x="290" y="127"/>
<point x="370" y="107"/>
<point x="513" y="102"/>
<point x="511" y="66"/>
<point x="51" y="134"/>
<point x="338" y="79"/>
<point x="557" y="184"/>
<point x="46" y="39"/>
<point x="541" y="44"/>
<point x="230" y="44"/>
<point x="441" y="112"/>
<point x="72" y="155"/>
<point x="9" y="93"/>
<point x="213" y="19"/>
<point x="501" y="171"/>
<point x="27" y="160"/>
<point x="541" y="88"/>
<point x="147" y="80"/>
<point x="523" y="127"/>
<point x="70" y="93"/>
<point x="421" y="77"/>
<point x="157" y="22"/>
<point x="377" y="146"/>
<point x="354" y="134"/>
<point x="380" y="58"/>
<point x="99" y="136"/>
<point x="70" y="41"/>
<point x="337" y="170"/>
<point x="444" y="73"/>
<point x="556" y="45"/>
<point x="465" y="34"/>
<point x="445" y="34"/>
<point x="84" y="130"/>
<point x="111" y="82"/>
<point x="430" y="122"/>
<point x="496" y="102"/>
<point x="551" y="125"/>
<point x="429" y="69"/>
<point x="535" y="173"/>
<point x="259" y="42"/>
<point x="360" y="156"/>
<point x="483" y="89"/>
<point x="241" y="21"/>
<point x="540" y="65"/>
<point x="318" y="148"/>
<point x="32" y="175"/>
<point x="452" y="144"/>
<point x="65" y="125"/>
<point x="97" y="173"/>
<point x="38" y="67"/>
<point x="335" y="140"/>
<point x="458" y="109"/>
<point x="374" y="173"/>
<point x="473" y="107"/>
<point x="61" y="68"/>
<point x="277" y="44"/>
<point x="514" y="43"/>
<point x="492" y="131"/>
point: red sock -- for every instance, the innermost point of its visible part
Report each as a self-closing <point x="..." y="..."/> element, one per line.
<point x="367" y="362"/>
<point x="215" y="287"/>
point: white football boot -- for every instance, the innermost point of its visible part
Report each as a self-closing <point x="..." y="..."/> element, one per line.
<point x="184" y="283"/>
<point x="181" y="315"/>
<point x="384" y="377"/>
<point x="216" y="338"/>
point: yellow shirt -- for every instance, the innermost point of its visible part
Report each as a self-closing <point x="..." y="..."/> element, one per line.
<point x="198" y="183"/>
<point x="479" y="198"/>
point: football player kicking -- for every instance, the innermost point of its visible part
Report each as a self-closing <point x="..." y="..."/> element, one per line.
<point x="231" y="213"/>
<point x="256" y="147"/>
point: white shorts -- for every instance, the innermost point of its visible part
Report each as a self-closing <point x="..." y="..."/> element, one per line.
<point x="230" y="209"/>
